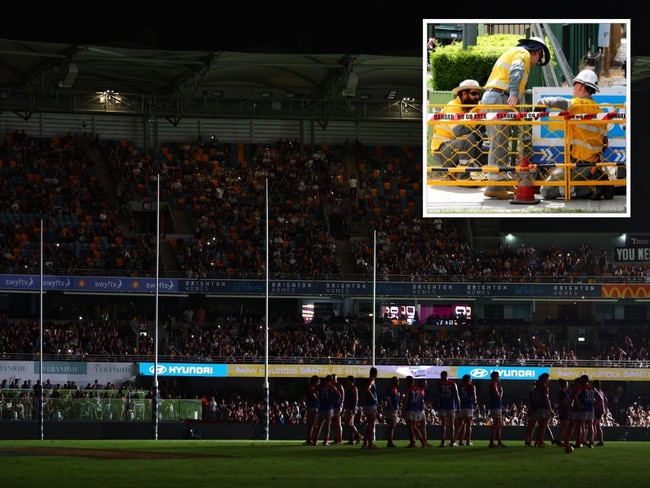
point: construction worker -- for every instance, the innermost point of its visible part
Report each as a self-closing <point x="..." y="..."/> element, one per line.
<point x="587" y="141"/>
<point x="505" y="86"/>
<point x="458" y="144"/>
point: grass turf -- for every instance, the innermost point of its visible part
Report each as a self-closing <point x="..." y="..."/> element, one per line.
<point x="163" y="463"/>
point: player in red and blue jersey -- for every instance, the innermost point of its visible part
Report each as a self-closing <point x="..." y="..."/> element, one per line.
<point x="391" y="403"/>
<point x="496" y="410"/>
<point x="449" y="403"/>
<point x="411" y="410"/>
<point x="351" y="409"/>
<point x="468" y="403"/>
<point x="370" y="404"/>
<point x="563" y="404"/>
<point x="328" y="396"/>
<point x="312" y="403"/>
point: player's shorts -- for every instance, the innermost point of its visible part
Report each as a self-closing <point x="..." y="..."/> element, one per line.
<point x="446" y="412"/>
<point x="466" y="412"/>
<point x="544" y="413"/>
<point x="496" y="413"/>
<point x="390" y="416"/>
<point x="579" y="415"/>
<point x="410" y="415"/>
<point x="370" y="409"/>
<point x="326" y="414"/>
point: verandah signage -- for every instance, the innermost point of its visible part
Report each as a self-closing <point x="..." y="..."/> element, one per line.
<point x="306" y="288"/>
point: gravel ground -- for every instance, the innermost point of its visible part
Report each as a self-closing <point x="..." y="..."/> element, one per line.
<point x="615" y="77"/>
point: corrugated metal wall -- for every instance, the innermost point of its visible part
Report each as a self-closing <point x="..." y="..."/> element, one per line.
<point x="576" y="41"/>
<point x="108" y="127"/>
<point x="491" y="29"/>
<point x="145" y="133"/>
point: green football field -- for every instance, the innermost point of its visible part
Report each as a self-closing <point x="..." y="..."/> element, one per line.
<point x="288" y="464"/>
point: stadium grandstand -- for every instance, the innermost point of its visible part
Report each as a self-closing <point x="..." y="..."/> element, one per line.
<point x="232" y="238"/>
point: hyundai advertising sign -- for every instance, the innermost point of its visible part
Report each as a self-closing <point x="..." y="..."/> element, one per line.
<point x="505" y="372"/>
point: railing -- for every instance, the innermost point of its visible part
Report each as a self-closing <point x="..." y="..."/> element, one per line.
<point x="358" y="277"/>
<point x="539" y="137"/>
<point x="97" y="408"/>
<point x="361" y="360"/>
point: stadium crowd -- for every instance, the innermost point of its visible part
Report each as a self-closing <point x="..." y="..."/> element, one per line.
<point x="347" y="341"/>
<point x="83" y="189"/>
<point x="89" y="226"/>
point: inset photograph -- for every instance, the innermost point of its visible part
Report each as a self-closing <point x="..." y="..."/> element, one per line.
<point x="526" y="119"/>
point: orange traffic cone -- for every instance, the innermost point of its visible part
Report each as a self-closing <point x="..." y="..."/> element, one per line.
<point x="524" y="193"/>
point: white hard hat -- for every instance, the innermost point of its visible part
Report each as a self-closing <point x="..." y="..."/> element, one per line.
<point x="588" y="78"/>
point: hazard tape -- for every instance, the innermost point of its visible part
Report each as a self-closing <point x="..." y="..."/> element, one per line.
<point x="531" y="166"/>
<point x="482" y="169"/>
<point x="524" y="116"/>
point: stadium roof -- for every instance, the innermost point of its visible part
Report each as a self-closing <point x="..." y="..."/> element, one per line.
<point x="640" y="71"/>
<point x="70" y="78"/>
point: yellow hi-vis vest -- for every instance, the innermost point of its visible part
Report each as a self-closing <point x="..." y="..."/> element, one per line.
<point x="500" y="74"/>
<point x="445" y="132"/>
<point x="586" y="139"/>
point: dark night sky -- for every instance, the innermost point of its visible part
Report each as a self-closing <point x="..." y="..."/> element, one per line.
<point x="211" y="31"/>
<point x="319" y="29"/>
